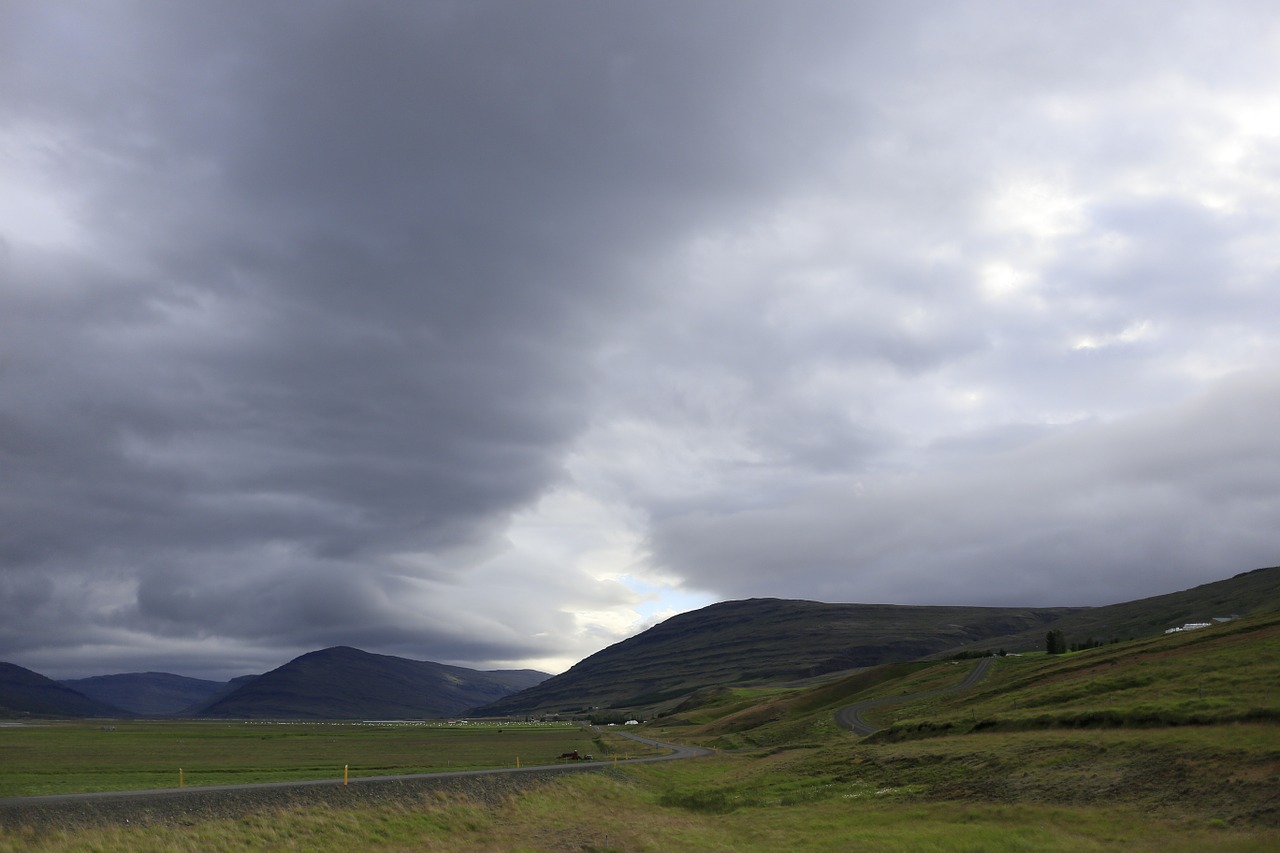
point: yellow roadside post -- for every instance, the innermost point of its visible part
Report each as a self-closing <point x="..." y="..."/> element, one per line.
<point x="179" y="777"/>
<point x="344" y="773"/>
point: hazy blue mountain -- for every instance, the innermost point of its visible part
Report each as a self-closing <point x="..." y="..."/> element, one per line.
<point x="153" y="693"/>
<point x="26" y="693"/>
<point x="347" y="683"/>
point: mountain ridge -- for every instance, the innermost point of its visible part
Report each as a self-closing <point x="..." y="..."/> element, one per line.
<point x="342" y="682"/>
<point x="757" y="640"/>
<point x="148" y="693"/>
<point x="26" y="693"/>
<point x="764" y="639"/>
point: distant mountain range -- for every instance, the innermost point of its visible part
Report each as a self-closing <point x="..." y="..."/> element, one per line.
<point x="331" y="684"/>
<point x="24" y="693"/>
<point x="759" y="641"/>
<point x="153" y="693"/>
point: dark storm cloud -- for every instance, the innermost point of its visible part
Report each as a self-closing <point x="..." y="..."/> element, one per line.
<point x="333" y="276"/>
<point x="329" y="322"/>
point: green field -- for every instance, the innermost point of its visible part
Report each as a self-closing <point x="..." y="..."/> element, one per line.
<point x="72" y="757"/>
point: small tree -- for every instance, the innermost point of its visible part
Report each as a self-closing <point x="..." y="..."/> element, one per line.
<point x="1055" y="642"/>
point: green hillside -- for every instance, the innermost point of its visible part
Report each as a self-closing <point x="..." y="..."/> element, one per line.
<point x="775" y="641"/>
<point x="765" y="640"/>
<point x="1181" y="727"/>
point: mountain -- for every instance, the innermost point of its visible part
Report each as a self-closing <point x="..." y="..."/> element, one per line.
<point x="227" y="688"/>
<point x="346" y="683"/>
<point x="770" y="640"/>
<point x="765" y="640"/>
<point x="152" y="693"/>
<point x="26" y="693"/>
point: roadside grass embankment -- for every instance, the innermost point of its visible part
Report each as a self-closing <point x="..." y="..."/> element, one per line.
<point x="711" y="804"/>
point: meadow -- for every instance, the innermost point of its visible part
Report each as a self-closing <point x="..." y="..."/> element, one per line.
<point x="81" y="757"/>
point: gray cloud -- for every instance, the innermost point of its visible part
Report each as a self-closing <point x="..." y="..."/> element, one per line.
<point x="1087" y="514"/>
<point x="489" y="333"/>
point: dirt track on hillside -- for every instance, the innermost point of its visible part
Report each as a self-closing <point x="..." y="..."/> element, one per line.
<point x="850" y="716"/>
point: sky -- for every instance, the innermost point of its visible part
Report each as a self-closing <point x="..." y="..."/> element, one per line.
<point x="492" y="333"/>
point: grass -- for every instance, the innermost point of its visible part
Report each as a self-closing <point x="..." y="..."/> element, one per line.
<point x="78" y="757"/>
<point x="625" y="812"/>
<point x="1217" y="675"/>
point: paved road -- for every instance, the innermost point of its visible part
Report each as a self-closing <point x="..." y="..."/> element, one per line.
<point x="8" y="804"/>
<point x="677" y="750"/>
<point x="850" y="716"/>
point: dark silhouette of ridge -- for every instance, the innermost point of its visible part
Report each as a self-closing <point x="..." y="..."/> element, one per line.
<point x="346" y="683"/>
<point x="24" y="693"/>
<point x="149" y="693"/>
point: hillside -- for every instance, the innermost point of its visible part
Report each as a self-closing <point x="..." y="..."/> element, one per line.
<point x="1181" y="724"/>
<point x="347" y="683"/>
<point x="1252" y="592"/>
<point x="774" y="640"/>
<point x="151" y="693"/>
<point x="26" y="693"/>
<point x="1225" y="674"/>
<point x="765" y="640"/>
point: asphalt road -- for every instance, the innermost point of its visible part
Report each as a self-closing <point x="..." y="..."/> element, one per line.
<point x="677" y="750"/>
<point x="850" y="716"/>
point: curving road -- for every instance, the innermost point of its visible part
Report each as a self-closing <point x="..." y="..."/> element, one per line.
<point x="850" y="716"/>
<point x="677" y="750"/>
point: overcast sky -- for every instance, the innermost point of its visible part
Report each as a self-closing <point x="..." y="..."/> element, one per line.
<point x="492" y="333"/>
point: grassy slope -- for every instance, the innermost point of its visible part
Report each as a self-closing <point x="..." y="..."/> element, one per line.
<point x="1223" y="674"/>
<point x="1183" y="726"/>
